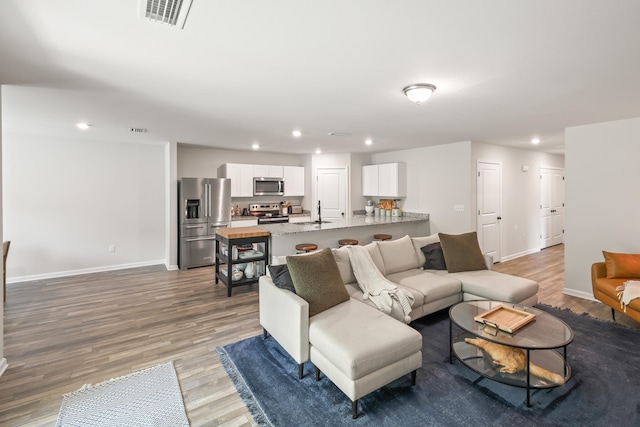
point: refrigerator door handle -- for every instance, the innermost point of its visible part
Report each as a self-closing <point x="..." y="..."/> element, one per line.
<point x="206" y="200"/>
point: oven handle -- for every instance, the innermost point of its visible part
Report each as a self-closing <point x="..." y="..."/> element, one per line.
<point x="196" y="239"/>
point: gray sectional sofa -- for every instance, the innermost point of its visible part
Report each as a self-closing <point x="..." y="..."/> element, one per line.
<point x="347" y="357"/>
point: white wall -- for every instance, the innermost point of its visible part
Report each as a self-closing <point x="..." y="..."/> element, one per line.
<point x="438" y="177"/>
<point x="603" y="207"/>
<point x="66" y="201"/>
<point x="521" y="224"/>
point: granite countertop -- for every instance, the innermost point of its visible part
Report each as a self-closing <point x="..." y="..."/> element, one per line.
<point x="354" y="221"/>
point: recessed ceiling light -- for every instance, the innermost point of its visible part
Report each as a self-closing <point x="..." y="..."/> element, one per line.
<point x="535" y="141"/>
<point x="296" y="133"/>
<point x="255" y="146"/>
<point x="83" y="126"/>
<point x="368" y="141"/>
<point x="318" y="151"/>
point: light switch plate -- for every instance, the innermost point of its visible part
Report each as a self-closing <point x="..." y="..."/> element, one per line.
<point x="458" y="208"/>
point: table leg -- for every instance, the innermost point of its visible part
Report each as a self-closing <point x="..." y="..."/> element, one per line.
<point x="450" y="341"/>
<point x="528" y="380"/>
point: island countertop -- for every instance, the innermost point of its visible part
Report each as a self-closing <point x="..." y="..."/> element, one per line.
<point x="350" y="222"/>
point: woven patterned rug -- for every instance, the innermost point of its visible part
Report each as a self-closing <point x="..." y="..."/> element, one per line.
<point x="150" y="397"/>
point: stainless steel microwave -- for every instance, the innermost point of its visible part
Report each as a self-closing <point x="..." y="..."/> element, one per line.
<point x="268" y="186"/>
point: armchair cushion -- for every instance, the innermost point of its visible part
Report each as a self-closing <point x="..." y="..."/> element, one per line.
<point x="622" y="265"/>
<point x="317" y="280"/>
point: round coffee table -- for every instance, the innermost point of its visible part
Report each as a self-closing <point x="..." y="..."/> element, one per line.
<point x="540" y="339"/>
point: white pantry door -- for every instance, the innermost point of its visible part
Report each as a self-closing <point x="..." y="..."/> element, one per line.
<point x="551" y="206"/>
<point x="332" y="193"/>
<point x="489" y="198"/>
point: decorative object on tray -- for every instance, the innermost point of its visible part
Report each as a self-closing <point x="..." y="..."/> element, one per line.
<point x="513" y="360"/>
<point x="505" y="318"/>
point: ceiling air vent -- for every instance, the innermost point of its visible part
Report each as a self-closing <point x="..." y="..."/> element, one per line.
<point x="172" y="12"/>
<point x="139" y="130"/>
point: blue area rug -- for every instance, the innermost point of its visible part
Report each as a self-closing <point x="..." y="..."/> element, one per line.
<point x="604" y="389"/>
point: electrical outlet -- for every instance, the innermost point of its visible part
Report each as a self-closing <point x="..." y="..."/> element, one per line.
<point x="458" y="208"/>
<point x="112" y="248"/>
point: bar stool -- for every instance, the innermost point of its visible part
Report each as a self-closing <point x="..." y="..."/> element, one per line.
<point x="347" y="242"/>
<point x="306" y="247"/>
<point x="382" y="237"/>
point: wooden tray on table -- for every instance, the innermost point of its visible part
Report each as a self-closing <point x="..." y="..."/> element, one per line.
<point x="506" y="319"/>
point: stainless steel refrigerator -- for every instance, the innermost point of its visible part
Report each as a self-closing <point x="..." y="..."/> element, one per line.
<point x="205" y="205"/>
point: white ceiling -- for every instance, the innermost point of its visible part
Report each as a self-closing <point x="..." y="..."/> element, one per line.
<point x="244" y="71"/>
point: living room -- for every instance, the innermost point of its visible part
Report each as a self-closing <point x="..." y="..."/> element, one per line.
<point x="89" y="186"/>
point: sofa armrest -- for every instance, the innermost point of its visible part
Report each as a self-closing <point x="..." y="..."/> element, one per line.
<point x="285" y="316"/>
<point x="598" y="271"/>
<point x="488" y="261"/>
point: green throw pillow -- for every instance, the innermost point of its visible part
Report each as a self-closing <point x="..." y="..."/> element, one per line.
<point x="317" y="280"/>
<point x="462" y="252"/>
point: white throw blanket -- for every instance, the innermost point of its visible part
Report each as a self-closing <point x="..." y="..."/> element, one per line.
<point x="383" y="293"/>
<point x="628" y="291"/>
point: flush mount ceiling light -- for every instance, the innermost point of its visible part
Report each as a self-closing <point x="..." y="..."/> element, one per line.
<point x="419" y="92"/>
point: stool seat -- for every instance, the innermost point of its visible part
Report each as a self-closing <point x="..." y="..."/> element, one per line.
<point x="306" y="247"/>
<point x="346" y="242"/>
<point x="382" y="236"/>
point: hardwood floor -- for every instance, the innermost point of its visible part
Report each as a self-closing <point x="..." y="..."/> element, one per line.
<point x="66" y="332"/>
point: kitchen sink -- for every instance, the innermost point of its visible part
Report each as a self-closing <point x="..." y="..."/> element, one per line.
<point x="314" y="222"/>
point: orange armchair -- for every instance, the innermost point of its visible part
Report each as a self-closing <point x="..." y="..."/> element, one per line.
<point x="604" y="289"/>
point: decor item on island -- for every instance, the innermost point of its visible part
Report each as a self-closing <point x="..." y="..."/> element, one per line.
<point x="462" y="252"/>
<point x="448" y="394"/>
<point x="150" y="397"/>
<point x="419" y="92"/>
<point x="369" y="208"/>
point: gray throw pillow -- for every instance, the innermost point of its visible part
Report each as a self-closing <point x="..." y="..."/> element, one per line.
<point x="317" y="280"/>
<point x="462" y="252"/>
<point x="281" y="277"/>
<point x="434" y="257"/>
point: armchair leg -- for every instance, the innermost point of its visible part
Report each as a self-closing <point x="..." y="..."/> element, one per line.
<point x="317" y="374"/>
<point x="354" y="409"/>
<point x="613" y="314"/>
<point x="265" y="334"/>
<point x="300" y="370"/>
<point x="414" y="376"/>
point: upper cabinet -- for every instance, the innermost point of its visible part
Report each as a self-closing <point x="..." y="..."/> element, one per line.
<point x="293" y="181"/>
<point x="241" y="178"/>
<point x="268" y="171"/>
<point x="385" y="180"/>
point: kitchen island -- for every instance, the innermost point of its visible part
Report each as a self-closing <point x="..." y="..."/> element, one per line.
<point x="285" y="237"/>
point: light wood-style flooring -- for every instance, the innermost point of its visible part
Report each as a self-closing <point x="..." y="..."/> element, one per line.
<point x="62" y="333"/>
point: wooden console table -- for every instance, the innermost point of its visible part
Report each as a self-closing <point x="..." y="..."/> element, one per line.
<point x="231" y="239"/>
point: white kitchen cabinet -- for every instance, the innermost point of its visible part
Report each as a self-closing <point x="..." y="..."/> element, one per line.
<point x="250" y="222"/>
<point x="268" y="171"/>
<point x="293" y="181"/>
<point x="370" y="180"/>
<point x="385" y="180"/>
<point x="241" y="178"/>
<point x="299" y="218"/>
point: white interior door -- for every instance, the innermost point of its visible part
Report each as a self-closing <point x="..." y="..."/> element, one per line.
<point x="551" y="206"/>
<point x="489" y="199"/>
<point x="332" y="193"/>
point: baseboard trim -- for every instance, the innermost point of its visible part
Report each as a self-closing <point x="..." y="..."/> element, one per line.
<point x="579" y="294"/>
<point x="84" y="271"/>
<point x="520" y="254"/>
<point x="3" y="365"/>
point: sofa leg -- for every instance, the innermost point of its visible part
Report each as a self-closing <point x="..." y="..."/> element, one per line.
<point x="265" y="334"/>
<point x="354" y="409"/>
<point x="414" y="376"/>
<point x="613" y="314"/>
<point x="300" y="370"/>
<point x="317" y="374"/>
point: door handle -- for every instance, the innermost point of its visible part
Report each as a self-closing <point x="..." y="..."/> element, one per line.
<point x="499" y="218"/>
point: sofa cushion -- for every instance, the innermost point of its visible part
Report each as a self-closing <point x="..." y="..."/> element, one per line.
<point x="419" y="242"/>
<point x="281" y="277"/>
<point x="492" y="285"/>
<point x="316" y="279"/>
<point x="434" y="258"/>
<point x="622" y="265"/>
<point x="398" y="255"/>
<point x="372" y="341"/>
<point x="431" y="287"/>
<point x="462" y="252"/>
<point x="344" y="264"/>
